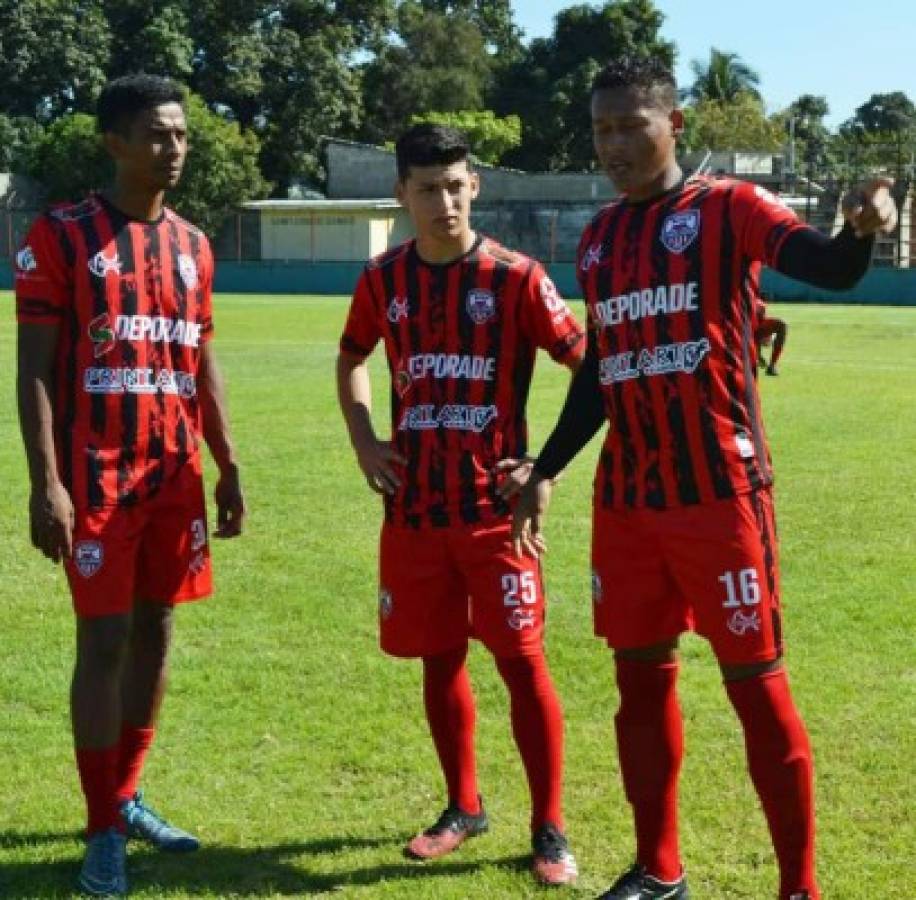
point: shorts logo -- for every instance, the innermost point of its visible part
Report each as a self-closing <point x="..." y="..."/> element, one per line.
<point x="398" y="309"/>
<point x="596" y="588"/>
<point x="187" y="268"/>
<point x="25" y="260"/>
<point x="101" y="334"/>
<point x="740" y="623"/>
<point x="680" y="230"/>
<point x="88" y="557"/>
<point x="592" y="257"/>
<point x="521" y="618"/>
<point x="385" y="603"/>
<point x="481" y="305"/>
<point x="100" y="264"/>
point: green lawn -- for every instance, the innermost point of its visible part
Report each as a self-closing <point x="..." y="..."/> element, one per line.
<point x="300" y="754"/>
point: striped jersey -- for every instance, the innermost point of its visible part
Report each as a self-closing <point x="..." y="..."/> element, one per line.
<point x="671" y="286"/>
<point x="460" y="341"/>
<point x="132" y="301"/>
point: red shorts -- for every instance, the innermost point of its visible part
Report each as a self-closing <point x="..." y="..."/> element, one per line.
<point x="712" y="568"/>
<point x="440" y="586"/>
<point x="156" y="550"/>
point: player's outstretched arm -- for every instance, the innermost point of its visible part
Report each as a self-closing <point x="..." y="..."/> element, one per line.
<point x="230" y="502"/>
<point x="354" y="394"/>
<point x="50" y="506"/>
<point x="838" y="263"/>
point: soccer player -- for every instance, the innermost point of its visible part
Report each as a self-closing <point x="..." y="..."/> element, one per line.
<point x="461" y="319"/>
<point x="683" y="527"/>
<point x="117" y="385"/>
<point x="769" y="330"/>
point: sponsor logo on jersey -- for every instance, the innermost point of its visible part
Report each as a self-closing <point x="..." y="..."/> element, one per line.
<point x="740" y="622"/>
<point x="453" y="416"/>
<point x="662" y="300"/>
<point x="158" y="329"/>
<point x="398" y="309"/>
<point x="187" y="269"/>
<point x="452" y="365"/>
<point x="25" y="260"/>
<point x="88" y="557"/>
<point x="100" y="265"/>
<point x="481" y="305"/>
<point x="661" y="360"/>
<point x="680" y="230"/>
<point x="139" y="381"/>
<point x="385" y="603"/>
<point x="596" y="587"/>
<point x="521" y="618"/>
<point x="101" y="334"/>
<point x="591" y="257"/>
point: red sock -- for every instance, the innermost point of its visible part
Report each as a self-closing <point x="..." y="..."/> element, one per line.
<point x="132" y="750"/>
<point x="650" y="744"/>
<point x="451" y="715"/>
<point x="779" y="760"/>
<point x="537" y="724"/>
<point x="98" y="770"/>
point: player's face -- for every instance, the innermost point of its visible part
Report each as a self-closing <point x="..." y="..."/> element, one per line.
<point x="152" y="153"/>
<point x="438" y="200"/>
<point x="634" y="138"/>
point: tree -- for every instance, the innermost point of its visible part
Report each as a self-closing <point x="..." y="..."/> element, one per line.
<point x="723" y="77"/>
<point x="150" y="38"/>
<point x="549" y="87"/>
<point x="886" y="113"/>
<point x="739" y="124"/>
<point x="805" y="128"/>
<point x="492" y="17"/>
<point x="18" y="136"/>
<point x="68" y="158"/>
<point x="490" y="136"/>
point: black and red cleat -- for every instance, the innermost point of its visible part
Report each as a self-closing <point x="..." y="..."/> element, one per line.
<point x="553" y="864"/>
<point x="450" y="831"/>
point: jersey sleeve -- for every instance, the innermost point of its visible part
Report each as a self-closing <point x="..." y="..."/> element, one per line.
<point x="548" y="321"/>
<point x="762" y="222"/>
<point x="361" y="332"/>
<point x="43" y="281"/>
<point x="208" y="267"/>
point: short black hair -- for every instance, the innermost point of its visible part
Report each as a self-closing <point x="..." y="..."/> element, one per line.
<point x="652" y="74"/>
<point x="428" y="144"/>
<point x="123" y="99"/>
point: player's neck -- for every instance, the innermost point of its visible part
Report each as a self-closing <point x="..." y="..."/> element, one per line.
<point x="664" y="182"/>
<point x="438" y="252"/>
<point x="136" y="203"/>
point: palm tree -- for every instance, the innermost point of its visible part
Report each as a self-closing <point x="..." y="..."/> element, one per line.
<point x="722" y="78"/>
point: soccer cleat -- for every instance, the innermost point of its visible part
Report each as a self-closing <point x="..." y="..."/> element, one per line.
<point x="104" y="871"/>
<point x="553" y="863"/>
<point x="772" y="370"/>
<point x="449" y="832"/>
<point x="638" y="884"/>
<point x="143" y="822"/>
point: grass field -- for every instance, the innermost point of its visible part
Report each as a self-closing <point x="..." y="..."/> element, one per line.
<point x="300" y="754"/>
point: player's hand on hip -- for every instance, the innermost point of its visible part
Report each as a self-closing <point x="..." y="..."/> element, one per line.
<point x="230" y="504"/>
<point x="533" y="500"/>
<point x="512" y="474"/>
<point x="51" y="521"/>
<point x="378" y="459"/>
<point x="871" y="209"/>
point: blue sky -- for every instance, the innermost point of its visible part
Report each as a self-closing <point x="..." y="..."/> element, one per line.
<point x="843" y="50"/>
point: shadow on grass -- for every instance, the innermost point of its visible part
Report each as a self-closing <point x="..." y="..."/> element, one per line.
<point x="285" y="869"/>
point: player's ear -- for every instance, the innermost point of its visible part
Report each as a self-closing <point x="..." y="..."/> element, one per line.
<point x="677" y="122"/>
<point x="474" y="182"/>
<point x="400" y="192"/>
<point x="113" y="144"/>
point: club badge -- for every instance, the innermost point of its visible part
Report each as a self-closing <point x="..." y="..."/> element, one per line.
<point x="680" y="230"/>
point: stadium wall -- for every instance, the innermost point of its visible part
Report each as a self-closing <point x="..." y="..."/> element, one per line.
<point x="879" y="287"/>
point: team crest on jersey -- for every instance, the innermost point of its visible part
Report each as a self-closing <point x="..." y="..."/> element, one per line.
<point x="88" y="557"/>
<point x="398" y="309"/>
<point x="680" y="230"/>
<point x="101" y="334"/>
<point x="481" y="305"/>
<point x="596" y="588"/>
<point x="83" y="210"/>
<point x="385" y="603"/>
<point x="187" y="268"/>
<point x="100" y="264"/>
<point x="591" y="257"/>
<point x="740" y="622"/>
<point x="25" y="260"/>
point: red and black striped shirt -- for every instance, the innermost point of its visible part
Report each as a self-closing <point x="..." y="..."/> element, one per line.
<point x="132" y="300"/>
<point x="460" y="340"/>
<point x="671" y="286"/>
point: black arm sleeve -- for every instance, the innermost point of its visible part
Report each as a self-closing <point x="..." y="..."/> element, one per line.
<point x="835" y="263"/>
<point x="580" y="419"/>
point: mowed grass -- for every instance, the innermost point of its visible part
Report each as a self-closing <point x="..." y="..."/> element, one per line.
<point x="300" y="754"/>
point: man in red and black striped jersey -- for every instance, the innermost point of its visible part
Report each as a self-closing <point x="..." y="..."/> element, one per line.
<point x="461" y="319"/>
<point x="117" y="387"/>
<point x="683" y="529"/>
<point x="769" y="331"/>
